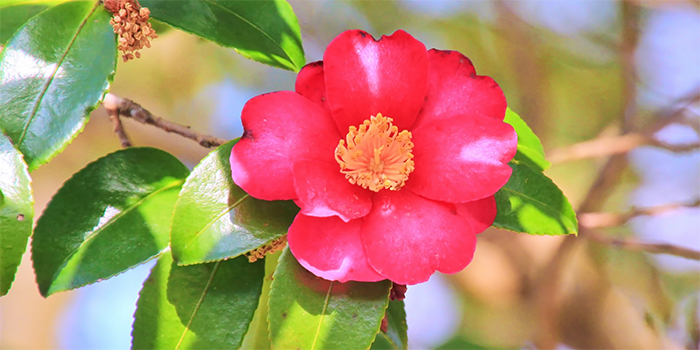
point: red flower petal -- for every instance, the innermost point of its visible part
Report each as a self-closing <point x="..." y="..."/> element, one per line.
<point x="408" y="237"/>
<point x="323" y="191"/>
<point x="365" y="77"/>
<point x="461" y="159"/>
<point x="455" y="89"/>
<point x="311" y="85"/>
<point x="480" y="213"/>
<point x="280" y="128"/>
<point x="331" y="249"/>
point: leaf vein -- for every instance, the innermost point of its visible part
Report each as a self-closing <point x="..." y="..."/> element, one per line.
<point x="53" y="74"/>
<point x="224" y="212"/>
<point x="109" y="222"/>
<point x="199" y="303"/>
<point x="256" y="28"/>
<point x="323" y="314"/>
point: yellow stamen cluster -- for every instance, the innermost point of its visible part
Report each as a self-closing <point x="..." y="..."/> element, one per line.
<point x="376" y="155"/>
<point x="130" y="21"/>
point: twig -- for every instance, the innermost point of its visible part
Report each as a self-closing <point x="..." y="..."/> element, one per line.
<point x="111" y="105"/>
<point x="601" y="220"/>
<point x="655" y="248"/>
<point x="608" y="146"/>
<point x="130" y="109"/>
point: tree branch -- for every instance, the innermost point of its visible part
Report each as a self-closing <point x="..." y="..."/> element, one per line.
<point x="607" y="146"/>
<point x="130" y="109"/>
<point x="601" y="220"/>
<point x="655" y="248"/>
<point x="111" y="105"/>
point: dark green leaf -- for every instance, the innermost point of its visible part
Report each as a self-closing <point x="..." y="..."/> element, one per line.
<point x="265" y="31"/>
<point x="307" y="312"/>
<point x="16" y="211"/>
<point x="397" y="328"/>
<point x="530" y="148"/>
<point x="53" y="72"/>
<point x="205" y="306"/>
<point x="214" y="219"/>
<point x="530" y="202"/>
<point x="110" y="216"/>
<point x="14" y="13"/>
<point x="382" y="342"/>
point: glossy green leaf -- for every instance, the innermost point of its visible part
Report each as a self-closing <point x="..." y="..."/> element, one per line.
<point x="14" y="13"/>
<point x="382" y="342"/>
<point x="110" y="216"/>
<point x="308" y="312"/>
<point x="16" y="211"/>
<point x="205" y="306"/>
<point x="530" y="148"/>
<point x="397" y="329"/>
<point x="530" y="202"/>
<point x="265" y="31"/>
<point x="214" y="219"/>
<point x="53" y="72"/>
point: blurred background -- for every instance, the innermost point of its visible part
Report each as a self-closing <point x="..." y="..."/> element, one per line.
<point x="612" y="89"/>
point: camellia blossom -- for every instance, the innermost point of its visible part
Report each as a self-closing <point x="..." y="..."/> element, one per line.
<point x="392" y="152"/>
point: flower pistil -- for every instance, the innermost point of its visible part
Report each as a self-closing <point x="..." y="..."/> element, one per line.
<point x="376" y="155"/>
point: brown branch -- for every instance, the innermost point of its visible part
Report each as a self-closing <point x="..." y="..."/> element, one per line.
<point x="111" y="105"/>
<point x="130" y="109"/>
<point x="607" y="146"/>
<point x="601" y="220"/>
<point x="654" y="248"/>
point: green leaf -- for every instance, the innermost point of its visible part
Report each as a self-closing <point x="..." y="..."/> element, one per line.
<point x="205" y="306"/>
<point x="14" y="13"/>
<point x="53" y="72"/>
<point x="16" y="211"/>
<point x="530" y="202"/>
<point x="258" y="336"/>
<point x="382" y="342"/>
<point x="308" y="312"/>
<point x="265" y="31"/>
<point x="397" y="329"/>
<point x="109" y="217"/>
<point x="530" y="148"/>
<point x="214" y="219"/>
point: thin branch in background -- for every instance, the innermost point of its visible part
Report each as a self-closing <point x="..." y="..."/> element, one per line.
<point x="601" y="220"/>
<point x="655" y="248"/>
<point x="130" y="109"/>
<point x="607" y="146"/>
<point x="611" y="145"/>
<point x="110" y="104"/>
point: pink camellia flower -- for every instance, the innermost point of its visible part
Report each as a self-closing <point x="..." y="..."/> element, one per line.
<point x="392" y="152"/>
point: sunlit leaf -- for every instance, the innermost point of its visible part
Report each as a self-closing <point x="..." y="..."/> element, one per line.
<point x="110" y="216"/>
<point x="308" y="312"/>
<point x="14" y="13"/>
<point x="53" y="72"/>
<point x="530" y="202"/>
<point x="265" y="31"/>
<point x="530" y="148"/>
<point x="16" y="211"/>
<point x="204" y="306"/>
<point x="214" y="219"/>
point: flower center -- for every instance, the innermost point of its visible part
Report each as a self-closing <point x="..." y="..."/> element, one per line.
<point x="377" y="156"/>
